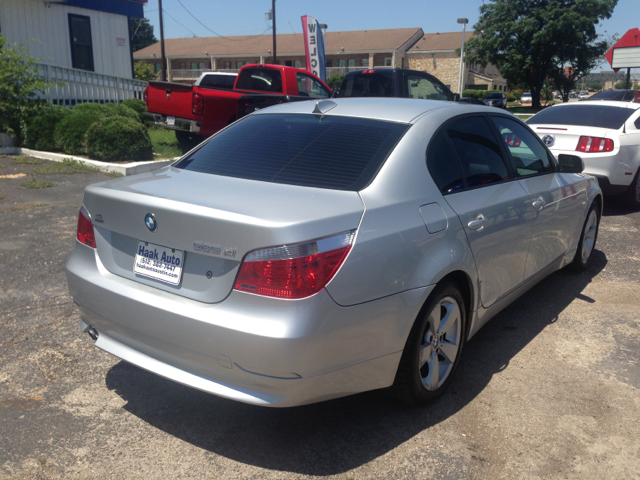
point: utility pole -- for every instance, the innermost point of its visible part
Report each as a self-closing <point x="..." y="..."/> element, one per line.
<point x="164" y="62"/>
<point x="273" y="19"/>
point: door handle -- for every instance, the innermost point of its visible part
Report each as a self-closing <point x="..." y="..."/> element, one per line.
<point x="477" y="223"/>
<point x="539" y="203"/>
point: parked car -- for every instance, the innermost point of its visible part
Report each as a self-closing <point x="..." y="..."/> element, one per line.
<point x="471" y="100"/>
<point x="309" y="251"/>
<point x="526" y="98"/>
<point x="496" y="99"/>
<point x="224" y="80"/>
<point x="394" y="82"/>
<point x="583" y="95"/>
<point x="607" y="136"/>
<point x="618" y="96"/>
<point x="196" y="112"/>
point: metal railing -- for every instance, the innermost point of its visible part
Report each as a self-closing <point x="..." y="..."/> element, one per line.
<point x="187" y="74"/>
<point x="72" y="86"/>
<point x="332" y="70"/>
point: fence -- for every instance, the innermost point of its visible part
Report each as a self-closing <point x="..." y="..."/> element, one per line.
<point x="72" y="86"/>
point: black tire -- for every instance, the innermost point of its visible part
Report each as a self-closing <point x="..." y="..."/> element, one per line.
<point x="187" y="140"/>
<point x="582" y="260"/>
<point x="631" y="197"/>
<point x="413" y="376"/>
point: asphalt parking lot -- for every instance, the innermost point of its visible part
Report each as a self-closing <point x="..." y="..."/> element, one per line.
<point x="550" y="388"/>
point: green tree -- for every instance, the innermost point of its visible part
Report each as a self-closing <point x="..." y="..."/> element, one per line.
<point x="622" y="85"/>
<point x="334" y="81"/>
<point x="141" y="33"/>
<point x="144" y="71"/>
<point x="19" y="87"/>
<point x="531" y="41"/>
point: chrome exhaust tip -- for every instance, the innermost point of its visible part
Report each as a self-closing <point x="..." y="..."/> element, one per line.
<point x="93" y="333"/>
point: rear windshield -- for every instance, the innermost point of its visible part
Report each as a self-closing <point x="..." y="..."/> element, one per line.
<point x="493" y="95"/>
<point x="218" y="81"/>
<point x="584" y="115"/>
<point x="609" y="95"/>
<point x="261" y="79"/>
<point x="377" y="84"/>
<point x="340" y="153"/>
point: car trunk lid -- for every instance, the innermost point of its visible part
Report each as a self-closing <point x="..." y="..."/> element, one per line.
<point x="214" y="220"/>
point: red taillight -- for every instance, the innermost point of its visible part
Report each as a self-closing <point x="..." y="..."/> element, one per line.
<point x="85" y="229"/>
<point x="294" y="271"/>
<point x="146" y="96"/>
<point x="594" y="144"/>
<point x="197" y="104"/>
<point x="368" y="71"/>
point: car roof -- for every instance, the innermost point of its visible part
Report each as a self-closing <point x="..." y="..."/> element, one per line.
<point x="404" y="110"/>
<point x="609" y="103"/>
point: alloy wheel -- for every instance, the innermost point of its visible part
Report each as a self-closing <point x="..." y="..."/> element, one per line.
<point x="589" y="236"/>
<point x="440" y="343"/>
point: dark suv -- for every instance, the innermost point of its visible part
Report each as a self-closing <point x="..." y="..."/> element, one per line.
<point x="394" y="82"/>
<point x="496" y="99"/>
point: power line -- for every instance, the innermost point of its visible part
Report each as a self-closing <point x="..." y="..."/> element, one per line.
<point x="164" y="10"/>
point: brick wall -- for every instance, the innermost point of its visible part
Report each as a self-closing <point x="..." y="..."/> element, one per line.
<point x="444" y="66"/>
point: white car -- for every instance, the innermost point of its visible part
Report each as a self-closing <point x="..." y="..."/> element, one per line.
<point x="607" y="136"/>
<point x="224" y="80"/>
<point x="526" y="98"/>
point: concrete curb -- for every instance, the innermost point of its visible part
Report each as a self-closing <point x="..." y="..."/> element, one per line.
<point x="124" y="169"/>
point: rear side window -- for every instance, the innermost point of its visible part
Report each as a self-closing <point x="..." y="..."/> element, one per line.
<point x="333" y="152"/>
<point x="376" y="84"/>
<point x="421" y="87"/>
<point x="260" y="79"/>
<point x="599" y="116"/>
<point x="443" y="166"/>
<point x="479" y="153"/>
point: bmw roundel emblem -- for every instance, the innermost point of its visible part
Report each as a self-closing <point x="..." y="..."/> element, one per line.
<point x="150" y="222"/>
<point x="549" y="140"/>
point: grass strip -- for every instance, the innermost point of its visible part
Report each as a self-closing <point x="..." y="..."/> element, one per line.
<point x="67" y="166"/>
<point x="24" y="160"/>
<point x="33" y="183"/>
<point x="28" y="206"/>
<point x="113" y="174"/>
<point x="164" y="143"/>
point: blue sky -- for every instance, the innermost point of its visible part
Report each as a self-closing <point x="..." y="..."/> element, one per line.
<point x="246" y="17"/>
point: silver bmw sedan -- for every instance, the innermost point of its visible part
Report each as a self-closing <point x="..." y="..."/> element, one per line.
<point x="318" y="249"/>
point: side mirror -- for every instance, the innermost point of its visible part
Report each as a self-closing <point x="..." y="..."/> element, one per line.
<point x="334" y="94"/>
<point x="456" y="97"/>
<point x="570" y="163"/>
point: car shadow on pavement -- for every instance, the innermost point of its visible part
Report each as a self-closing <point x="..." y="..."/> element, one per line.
<point x="336" y="436"/>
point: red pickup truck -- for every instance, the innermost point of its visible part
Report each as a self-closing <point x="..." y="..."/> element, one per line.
<point x="196" y="111"/>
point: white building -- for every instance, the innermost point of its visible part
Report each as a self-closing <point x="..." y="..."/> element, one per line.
<point x="74" y="37"/>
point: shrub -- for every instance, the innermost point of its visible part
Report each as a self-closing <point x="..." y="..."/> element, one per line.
<point x="70" y="131"/>
<point x="92" y="108"/>
<point x="511" y="97"/>
<point x="137" y="105"/>
<point x="334" y="81"/>
<point x="39" y="133"/>
<point x="120" y="110"/>
<point x="118" y="138"/>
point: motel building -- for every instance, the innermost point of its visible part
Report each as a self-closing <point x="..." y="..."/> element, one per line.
<point x="410" y="48"/>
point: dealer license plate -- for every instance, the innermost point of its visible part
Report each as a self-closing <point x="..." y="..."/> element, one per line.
<point x="162" y="263"/>
<point x="171" y="120"/>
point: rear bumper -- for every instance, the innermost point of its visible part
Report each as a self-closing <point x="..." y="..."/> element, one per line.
<point x="614" y="176"/>
<point x="183" y="124"/>
<point x="248" y="348"/>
